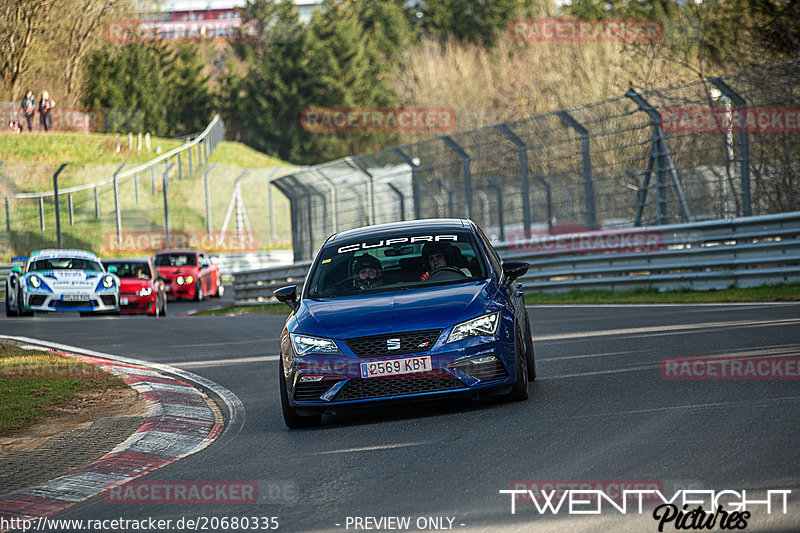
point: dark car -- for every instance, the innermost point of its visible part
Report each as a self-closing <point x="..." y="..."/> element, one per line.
<point x="404" y="311"/>
<point x="142" y="290"/>
<point x="190" y="274"/>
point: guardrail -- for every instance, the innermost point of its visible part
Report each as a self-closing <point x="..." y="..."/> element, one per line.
<point x="740" y="252"/>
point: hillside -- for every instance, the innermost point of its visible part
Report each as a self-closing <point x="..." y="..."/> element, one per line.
<point x="29" y="161"/>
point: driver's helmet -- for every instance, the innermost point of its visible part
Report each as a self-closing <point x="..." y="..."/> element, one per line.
<point x="431" y="248"/>
<point x="361" y="263"/>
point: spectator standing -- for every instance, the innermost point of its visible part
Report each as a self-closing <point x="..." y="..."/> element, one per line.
<point x="28" y="108"/>
<point x="46" y="104"/>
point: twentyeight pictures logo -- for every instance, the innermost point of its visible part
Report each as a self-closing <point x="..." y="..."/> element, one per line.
<point x="548" y="30"/>
<point x="378" y="119"/>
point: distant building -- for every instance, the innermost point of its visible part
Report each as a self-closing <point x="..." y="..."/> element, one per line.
<point x="223" y="8"/>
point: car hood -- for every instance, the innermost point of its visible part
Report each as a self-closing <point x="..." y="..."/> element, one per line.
<point x="396" y="311"/>
<point x="171" y="272"/>
<point x="133" y="284"/>
<point x="68" y="279"/>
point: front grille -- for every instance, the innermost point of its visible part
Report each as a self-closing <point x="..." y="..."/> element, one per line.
<point x="360" y="389"/>
<point x="36" y="299"/>
<point x="410" y="342"/>
<point x="490" y="371"/>
<point x="60" y="304"/>
<point x="312" y="390"/>
<point x="108" y="299"/>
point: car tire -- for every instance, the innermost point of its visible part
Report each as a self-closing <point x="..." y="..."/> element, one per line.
<point x="519" y="392"/>
<point x="291" y="418"/>
<point x="9" y="311"/>
<point x="198" y="291"/>
<point x="220" y="289"/>
<point x="20" y="306"/>
<point x="530" y="357"/>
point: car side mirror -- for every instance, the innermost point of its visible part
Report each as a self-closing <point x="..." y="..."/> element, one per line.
<point x="514" y="269"/>
<point x="287" y="295"/>
<point x="16" y="269"/>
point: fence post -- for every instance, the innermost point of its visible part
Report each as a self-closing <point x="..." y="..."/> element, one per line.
<point x="402" y="200"/>
<point x="414" y="179"/>
<point x="117" y="206"/>
<point x="493" y="184"/>
<point x="208" y="200"/>
<point x="58" y="210"/>
<point x="8" y="217"/>
<point x="41" y="212"/>
<point x="664" y="162"/>
<point x="96" y="204"/>
<point x="465" y="167"/>
<point x="189" y="158"/>
<point x="180" y="166"/>
<point x="136" y="188"/>
<point x="354" y="162"/>
<point x="71" y="211"/>
<point x="744" y="144"/>
<point x="522" y="150"/>
<point x="165" y="179"/>
<point x="588" y="186"/>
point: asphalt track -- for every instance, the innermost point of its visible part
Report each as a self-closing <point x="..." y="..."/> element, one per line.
<point x="600" y="410"/>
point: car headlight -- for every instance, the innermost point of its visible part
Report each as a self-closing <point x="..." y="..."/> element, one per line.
<point x="483" y="325"/>
<point x="189" y="279"/>
<point x="35" y="281"/>
<point x="305" y="345"/>
<point x="179" y="280"/>
<point x="108" y="282"/>
<point x="147" y="291"/>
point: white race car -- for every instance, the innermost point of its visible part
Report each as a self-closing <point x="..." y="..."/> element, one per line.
<point x="61" y="280"/>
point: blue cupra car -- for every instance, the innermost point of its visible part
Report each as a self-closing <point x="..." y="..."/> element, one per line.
<point x="405" y="311"/>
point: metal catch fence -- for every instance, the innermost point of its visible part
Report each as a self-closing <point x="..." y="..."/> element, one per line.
<point x="714" y="149"/>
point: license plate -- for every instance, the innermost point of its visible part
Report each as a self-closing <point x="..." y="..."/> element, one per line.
<point x="396" y="367"/>
<point x="75" y="298"/>
<point x="123" y="301"/>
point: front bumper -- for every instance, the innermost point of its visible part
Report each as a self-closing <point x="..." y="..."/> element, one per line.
<point x="184" y="291"/>
<point x="131" y="303"/>
<point x="328" y="383"/>
<point x="83" y="302"/>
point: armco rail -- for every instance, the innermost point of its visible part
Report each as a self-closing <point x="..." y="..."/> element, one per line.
<point x="740" y="252"/>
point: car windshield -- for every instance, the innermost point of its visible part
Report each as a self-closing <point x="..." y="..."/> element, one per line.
<point x="130" y="269"/>
<point x="175" y="260"/>
<point x="395" y="262"/>
<point x="64" y="263"/>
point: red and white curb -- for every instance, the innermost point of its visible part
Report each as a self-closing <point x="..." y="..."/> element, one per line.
<point x="181" y="420"/>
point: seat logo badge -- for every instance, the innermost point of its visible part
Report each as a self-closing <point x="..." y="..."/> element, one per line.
<point x="392" y="344"/>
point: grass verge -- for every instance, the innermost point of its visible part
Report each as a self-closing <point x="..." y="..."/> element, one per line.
<point x="770" y="293"/>
<point x="767" y="293"/>
<point x="33" y="381"/>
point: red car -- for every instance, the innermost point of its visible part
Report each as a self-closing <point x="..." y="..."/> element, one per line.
<point x="189" y="274"/>
<point x="142" y="290"/>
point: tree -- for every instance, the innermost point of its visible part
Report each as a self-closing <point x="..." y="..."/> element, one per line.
<point x="22" y="24"/>
<point x="152" y="87"/>
<point x="476" y="21"/>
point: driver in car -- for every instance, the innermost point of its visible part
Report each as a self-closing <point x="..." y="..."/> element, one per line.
<point x="367" y="272"/>
<point x="437" y="255"/>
